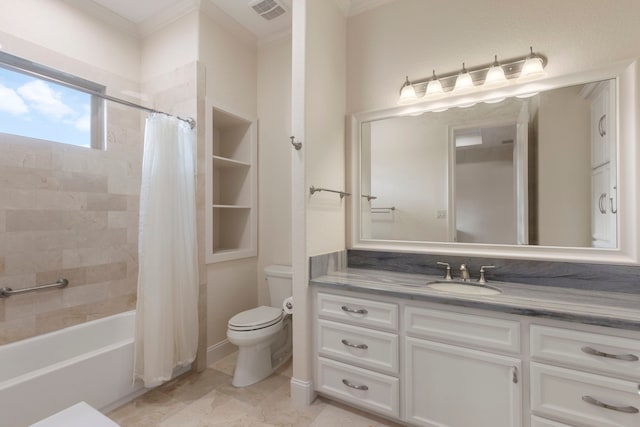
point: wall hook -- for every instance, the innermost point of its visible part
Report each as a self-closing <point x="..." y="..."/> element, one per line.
<point x="296" y="145"/>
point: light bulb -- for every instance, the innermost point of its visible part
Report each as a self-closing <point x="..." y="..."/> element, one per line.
<point x="407" y="93"/>
<point x="495" y="75"/>
<point x="532" y="67"/>
<point x="434" y="88"/>
<point x="464" y="82"/>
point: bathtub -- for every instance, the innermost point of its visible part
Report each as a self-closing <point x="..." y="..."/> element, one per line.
<point x="91" y="362"/>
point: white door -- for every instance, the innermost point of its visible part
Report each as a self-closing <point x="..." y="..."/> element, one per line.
<point x="449" y="386"/>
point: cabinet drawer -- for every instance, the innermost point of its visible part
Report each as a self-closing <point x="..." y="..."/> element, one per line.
<point x="364" y="347"/>
<point x="595" y="352"/>
<point x="367" y="389"/>
<point x="582" y="398"/>
<point x="358" y="311"/>
<point x="465" y="329"/>
<point x="543" y="422"/>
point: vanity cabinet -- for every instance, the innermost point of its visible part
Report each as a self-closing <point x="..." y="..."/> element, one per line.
<point x="357" y="344"/>
<point x="583" y="378"/>
<point x="449" y="384"/>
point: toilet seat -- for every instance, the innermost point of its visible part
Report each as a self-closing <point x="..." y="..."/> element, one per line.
<point x="255" y="318"/>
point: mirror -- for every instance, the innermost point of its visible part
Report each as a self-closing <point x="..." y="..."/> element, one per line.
<point x="538" y="171"/>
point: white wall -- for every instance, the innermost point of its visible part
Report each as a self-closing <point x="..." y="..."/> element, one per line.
<point x="318" y="121"/>
<point x="274" y="152"/>
<point x="412" y="37"/>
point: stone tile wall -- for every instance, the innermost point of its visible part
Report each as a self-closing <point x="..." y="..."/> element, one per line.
<point x="72" y="212"/>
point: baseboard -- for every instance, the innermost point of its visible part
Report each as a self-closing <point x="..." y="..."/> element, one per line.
<point x="302" y="392"/>
<point x="219" y="351"/>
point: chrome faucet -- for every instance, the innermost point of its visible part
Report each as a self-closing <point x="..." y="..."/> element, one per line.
<point x="464" y="273"/>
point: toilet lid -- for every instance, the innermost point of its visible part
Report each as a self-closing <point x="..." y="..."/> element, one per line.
<point x="256" y="318"/>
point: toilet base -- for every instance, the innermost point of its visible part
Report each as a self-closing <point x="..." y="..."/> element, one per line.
<point x="257" y="362"/>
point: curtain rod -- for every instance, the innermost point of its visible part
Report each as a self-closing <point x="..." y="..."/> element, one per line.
<point x="43" y="72"/>
<point x="190" y="120"/>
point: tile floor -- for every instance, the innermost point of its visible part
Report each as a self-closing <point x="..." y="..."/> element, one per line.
<point x="208" y="399"/>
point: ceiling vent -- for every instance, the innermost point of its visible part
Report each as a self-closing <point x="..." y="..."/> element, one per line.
<point x="268" y="9"/>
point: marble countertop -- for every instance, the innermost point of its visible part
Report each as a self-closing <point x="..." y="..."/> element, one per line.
<point x="611" y="309"/>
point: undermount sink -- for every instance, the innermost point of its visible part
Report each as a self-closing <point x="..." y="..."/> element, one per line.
<point x="463" y="288"/>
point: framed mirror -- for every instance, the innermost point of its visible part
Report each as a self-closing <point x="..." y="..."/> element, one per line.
<point x="541" y="175"/>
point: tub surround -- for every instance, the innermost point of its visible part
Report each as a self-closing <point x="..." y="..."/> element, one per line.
<point x="590" y="305"/>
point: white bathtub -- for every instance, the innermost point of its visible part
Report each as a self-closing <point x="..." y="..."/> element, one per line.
<point x="91" y="362"/>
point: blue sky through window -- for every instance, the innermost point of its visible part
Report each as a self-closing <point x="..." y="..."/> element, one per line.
<point x="40" y="109"/>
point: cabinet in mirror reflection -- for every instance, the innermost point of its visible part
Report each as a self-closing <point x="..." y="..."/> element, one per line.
<point x="538" y="171"/>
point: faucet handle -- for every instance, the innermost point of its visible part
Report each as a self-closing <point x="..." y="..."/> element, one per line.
<point x="482" y="280"/>
<point x="447" y="275"/>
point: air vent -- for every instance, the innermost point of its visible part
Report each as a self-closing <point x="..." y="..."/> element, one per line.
<point x="268" y="9"/>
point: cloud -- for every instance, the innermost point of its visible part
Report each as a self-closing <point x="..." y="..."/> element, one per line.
<point x="45" y="100"/>
<point x="10" y="102"/>
<point x="83" y="123"/>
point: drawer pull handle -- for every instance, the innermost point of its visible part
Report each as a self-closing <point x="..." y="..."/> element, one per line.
<point x="358" y="346"/>
<point x="353" y="310"/>
<point x="357" y="387"/>
<point x="594" y="352"/>
<point x="596" y="402"/>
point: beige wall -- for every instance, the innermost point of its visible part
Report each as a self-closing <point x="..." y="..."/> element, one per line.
<point x="274" y="152"/>
<point x="564" y="184"/>
<point x="229" y="57"/>
<point x="412" y="37"/>
<point x="67" y="31"/>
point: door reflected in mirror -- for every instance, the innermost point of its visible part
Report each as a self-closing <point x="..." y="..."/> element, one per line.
<point x="538" y="171"/>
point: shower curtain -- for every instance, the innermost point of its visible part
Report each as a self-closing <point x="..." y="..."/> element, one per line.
<point x="167" y="315"/>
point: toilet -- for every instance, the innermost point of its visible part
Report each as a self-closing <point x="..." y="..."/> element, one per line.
<point x="263" y="334"/>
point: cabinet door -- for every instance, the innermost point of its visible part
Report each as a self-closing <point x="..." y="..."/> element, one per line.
<point x="449" y="386"/>
<point x="602" y="217"/>
<point x="600" y="120"/>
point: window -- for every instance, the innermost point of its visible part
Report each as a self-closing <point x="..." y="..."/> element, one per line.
<point x="40" y="102"/>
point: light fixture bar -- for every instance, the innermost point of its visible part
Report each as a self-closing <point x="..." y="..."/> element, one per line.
<point x="512" y="68"/>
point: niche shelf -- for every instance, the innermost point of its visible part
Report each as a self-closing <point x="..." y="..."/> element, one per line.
<point x="231" y="185"/>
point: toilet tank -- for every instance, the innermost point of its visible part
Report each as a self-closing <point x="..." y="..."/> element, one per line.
<point x="279" y="281"/>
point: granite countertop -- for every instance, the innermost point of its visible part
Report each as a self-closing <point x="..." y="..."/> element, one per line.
<point x="611" y="309"/>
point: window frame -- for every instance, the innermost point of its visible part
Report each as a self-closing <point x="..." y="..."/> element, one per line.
<point x="95" y="90"/>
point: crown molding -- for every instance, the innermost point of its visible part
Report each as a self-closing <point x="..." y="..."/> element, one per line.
<point x="360" y="6"/>
<point x="167" y="16"/>
<point x="105" y="15"/>
<point x="217" y="15"/>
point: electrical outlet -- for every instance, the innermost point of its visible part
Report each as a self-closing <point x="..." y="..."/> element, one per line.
<point x="442" y="215"/>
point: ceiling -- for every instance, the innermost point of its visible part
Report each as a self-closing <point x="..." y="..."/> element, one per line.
<point x="139" y="11"/>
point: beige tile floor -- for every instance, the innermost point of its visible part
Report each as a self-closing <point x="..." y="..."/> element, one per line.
<point x="208" y="399"/>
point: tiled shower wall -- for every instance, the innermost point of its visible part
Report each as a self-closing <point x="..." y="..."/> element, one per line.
<point x="71" y="212"/>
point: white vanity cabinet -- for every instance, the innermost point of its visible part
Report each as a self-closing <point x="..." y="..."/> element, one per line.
<point x="583" y="378"/>
<point x="357" y="344"/>
<point x="448" y="384"/>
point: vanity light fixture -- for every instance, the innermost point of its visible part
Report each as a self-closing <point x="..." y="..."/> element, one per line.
<point x="434" y="88"/>
<point x="474" y="79"/>
<point x="495" y="75"/>
<point x="532" y="67"/>
<point x="407" y="93"/>
<point x="464" y="82"/>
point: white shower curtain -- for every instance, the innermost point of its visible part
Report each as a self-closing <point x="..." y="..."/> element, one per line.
<point x="167" y="315"/>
